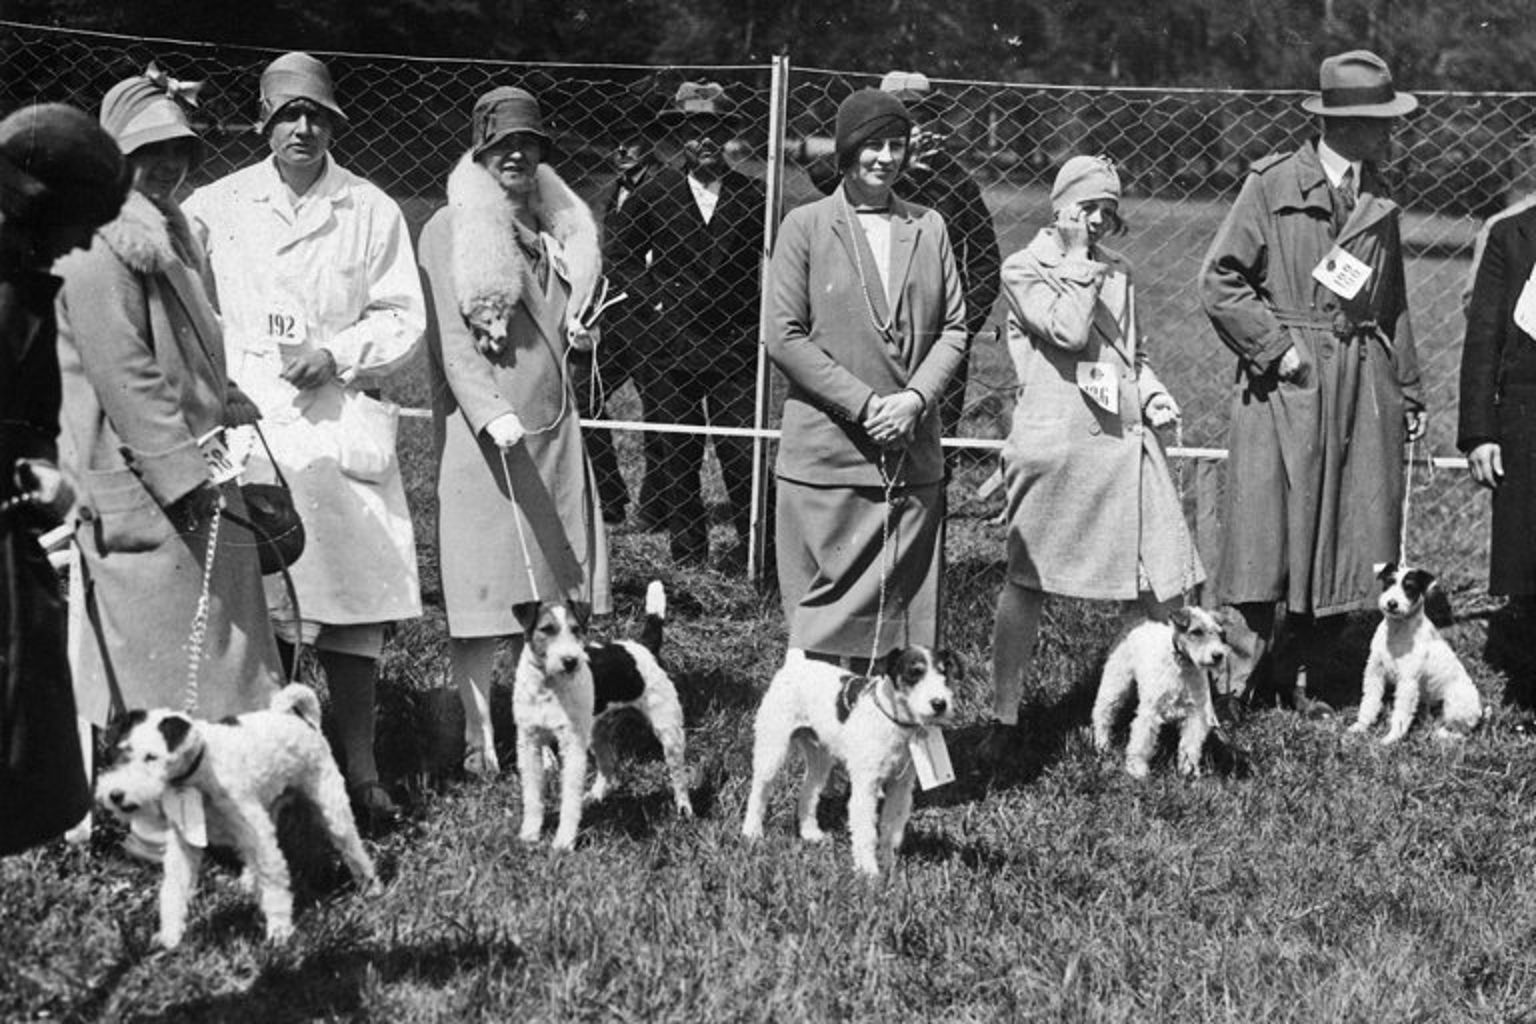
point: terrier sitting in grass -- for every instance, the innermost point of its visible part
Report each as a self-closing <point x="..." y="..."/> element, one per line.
<point x="1408" y="652"/>
<point x="866" y="722"/>
<point x="1168" y="665"/>
<point x="216" y="783"/>
<point x="564" y="685"/>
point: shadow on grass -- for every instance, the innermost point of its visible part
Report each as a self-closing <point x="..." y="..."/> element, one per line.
<point x="331" y="985"/>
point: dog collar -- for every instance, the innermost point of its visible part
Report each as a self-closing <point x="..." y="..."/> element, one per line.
<point x="891" y="714"/>
<point x="197" y="762"/>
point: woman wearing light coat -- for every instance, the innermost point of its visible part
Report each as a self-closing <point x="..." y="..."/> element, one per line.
<point x="508" y="263"/>
<point x="144" y="380"/>
<point x="1092" y="507"/>
<point x="317" y="284"/>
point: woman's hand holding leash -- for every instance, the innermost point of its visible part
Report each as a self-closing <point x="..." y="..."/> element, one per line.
<point x="308" y="370"/>
<point x="890" y="420"/>
<point x="1486" y="462"/>
<point x="1416" y="421"/>
<point x="505" y="430"/>
<point x="41" y="485"/>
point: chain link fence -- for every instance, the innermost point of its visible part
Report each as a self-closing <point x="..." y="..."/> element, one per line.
<point x="693" y="363"/>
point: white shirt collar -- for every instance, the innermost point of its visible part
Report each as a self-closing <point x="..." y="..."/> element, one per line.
<point x="707" y="196"/>
<point x="1335" y="165"/>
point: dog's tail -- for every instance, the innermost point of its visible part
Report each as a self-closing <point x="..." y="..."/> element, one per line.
<point x="655" y="616"/>
<point x="299" y="699"/>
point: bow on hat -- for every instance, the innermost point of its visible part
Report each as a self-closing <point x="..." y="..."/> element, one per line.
<point x="175" y="88"/>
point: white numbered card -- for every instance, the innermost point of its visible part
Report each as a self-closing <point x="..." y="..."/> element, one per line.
<point x="284" y="325"/>
<point x="184" y="809"/>
<point x="1341" y="273"/>
<point x="1525" y="307"/>
<point x="226" y="451"/>
<point x="1101" y="384"/>
<point x="931" y="758"/>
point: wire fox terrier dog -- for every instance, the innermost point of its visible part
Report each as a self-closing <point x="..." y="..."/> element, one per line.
<point x="217" y="782"/>
<point x="1168" y="665"/>
<point x="867" y="723"/>
<point x="565" y="685"/>
<point x="1408" y="652"/>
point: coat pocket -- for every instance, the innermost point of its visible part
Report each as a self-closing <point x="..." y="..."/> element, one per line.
<point x="127" y="517"/>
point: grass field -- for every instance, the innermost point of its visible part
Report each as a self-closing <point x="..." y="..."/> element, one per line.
<point x="1331" y="880"/>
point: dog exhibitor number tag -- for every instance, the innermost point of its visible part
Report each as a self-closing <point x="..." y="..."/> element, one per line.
<point x="931" y="758"/>
<point x="1100" y="383"/>
<point x="184" y="808"/>
<point x="1341" y="273"/>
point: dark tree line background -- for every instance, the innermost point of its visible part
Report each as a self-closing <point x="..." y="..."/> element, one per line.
<point x="1432" y="44"/>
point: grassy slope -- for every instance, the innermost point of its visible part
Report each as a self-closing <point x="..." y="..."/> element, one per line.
<point x="1339" y="881"/>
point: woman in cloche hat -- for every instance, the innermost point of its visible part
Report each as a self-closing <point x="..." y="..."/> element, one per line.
<point x="508" y="264"/>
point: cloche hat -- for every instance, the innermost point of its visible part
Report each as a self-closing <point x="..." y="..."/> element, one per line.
<point x="296" y="76"/>
<point x="504" y="111"/>
<point x="142" y="110"/>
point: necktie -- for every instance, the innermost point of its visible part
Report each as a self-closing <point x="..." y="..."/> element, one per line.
<point x="1347" y="190"/>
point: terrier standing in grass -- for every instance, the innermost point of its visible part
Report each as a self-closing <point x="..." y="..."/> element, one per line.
<point x="217" y="783"/>
<point x="866" y="722"/>
<point x="563" y="685"/>
<point x="1409" y="652"/>
<point x="1168" y="666"/>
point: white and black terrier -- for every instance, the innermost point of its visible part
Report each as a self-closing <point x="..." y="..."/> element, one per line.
<point x="1408" y="652"/>
<point x="866" y="722"/>
<point x="215" y="783"/>
<point x="564" y="685"/>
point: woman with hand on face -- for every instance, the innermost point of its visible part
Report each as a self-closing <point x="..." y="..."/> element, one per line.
<point x="1093" y="510"/>
<point x="866" y="317"/>
<point x="508" y="263"/>
<point x="142" y="357"/>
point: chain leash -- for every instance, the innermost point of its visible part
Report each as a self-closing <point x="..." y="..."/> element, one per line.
<point x="199" y="631"/>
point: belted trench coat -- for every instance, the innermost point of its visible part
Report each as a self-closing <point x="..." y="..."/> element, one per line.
<point x="1314" y="482"/>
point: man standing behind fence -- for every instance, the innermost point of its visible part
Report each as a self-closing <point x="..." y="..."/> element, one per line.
<point x="319" y="291"/>
<point x="934" y="178"/>
<point x="1304" y="282"/>
<point x="688" y="245"/>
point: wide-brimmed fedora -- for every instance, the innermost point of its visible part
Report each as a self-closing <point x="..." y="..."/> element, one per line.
<point x="698" y="101"/>
<point x="1357" y="84"/>
<point x="504" y="111"/>
<point x="916" y="92"/>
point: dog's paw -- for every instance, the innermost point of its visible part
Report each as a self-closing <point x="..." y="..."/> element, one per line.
<point x="1358" y="728"/>
<point x="168" y="938"/>
<point x="1391" y="738"/>
<point x="247" y="880"/>
<point x="1137" y="769"/>
<point x="683" y="806"/>
<point x="564" y="840"/>
<point x="812" y="834"/>
<point x="529" y="833"/>
<point x="868" y="866"/>
<point x="279" y="931"/>
<point x="751" y="830"/>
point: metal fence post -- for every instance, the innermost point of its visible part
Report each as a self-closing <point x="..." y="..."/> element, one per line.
<point x="778" y="114"/>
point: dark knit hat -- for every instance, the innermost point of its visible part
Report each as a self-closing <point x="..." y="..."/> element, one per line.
<point x="867" y="114"/>
<point x="58" y="166"/>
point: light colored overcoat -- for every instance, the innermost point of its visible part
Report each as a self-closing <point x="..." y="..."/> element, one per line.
<point x="143" y="370"/>
<point x="335" y="273"/>
<point x="1093" y="511"/>
<point x="471" y="260"/>
<point x="1314" y="482"/>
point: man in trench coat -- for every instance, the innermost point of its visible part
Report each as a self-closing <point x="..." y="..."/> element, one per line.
<point x="1305" y="284"/>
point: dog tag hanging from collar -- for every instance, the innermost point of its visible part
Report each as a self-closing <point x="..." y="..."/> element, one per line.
<point x="183" y="806"/>
<point x="931" y="757"/>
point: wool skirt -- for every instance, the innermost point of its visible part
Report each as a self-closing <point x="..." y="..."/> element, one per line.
<point x="847" y="560"/>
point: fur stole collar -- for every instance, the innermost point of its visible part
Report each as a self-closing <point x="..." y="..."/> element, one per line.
<point x="487" y="261"/>
<point x="141" y="235"/>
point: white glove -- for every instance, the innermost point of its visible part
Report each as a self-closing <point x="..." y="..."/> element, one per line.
<point x="505" y="430"/>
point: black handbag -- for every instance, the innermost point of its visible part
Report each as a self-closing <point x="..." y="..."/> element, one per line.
<point x="272" y="516"/>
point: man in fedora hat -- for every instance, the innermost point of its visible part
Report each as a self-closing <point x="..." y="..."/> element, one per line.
<point x="934" y="178"/>
<point x="317" y="284"/>
<point x="1304" y="283"/>
<point x="687" y="246"/>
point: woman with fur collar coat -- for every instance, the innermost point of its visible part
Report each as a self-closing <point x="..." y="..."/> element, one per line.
<point x="507" y="265"/>
<point x="144" y="379"/>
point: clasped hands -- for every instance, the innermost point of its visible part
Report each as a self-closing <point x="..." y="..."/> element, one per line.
<point x="890" y="420"/>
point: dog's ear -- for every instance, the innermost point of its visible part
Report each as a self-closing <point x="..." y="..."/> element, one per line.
<point x="892" y="665"/>
<point x="175" y="729"/>
<point x="1180" y="618"/>
<point x="1437" y="605"/>
<point x="949" y="663"/>
<point x="527" y="614"/>
<point x="1385" y="571"/>
<point x="581" y="611"/>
